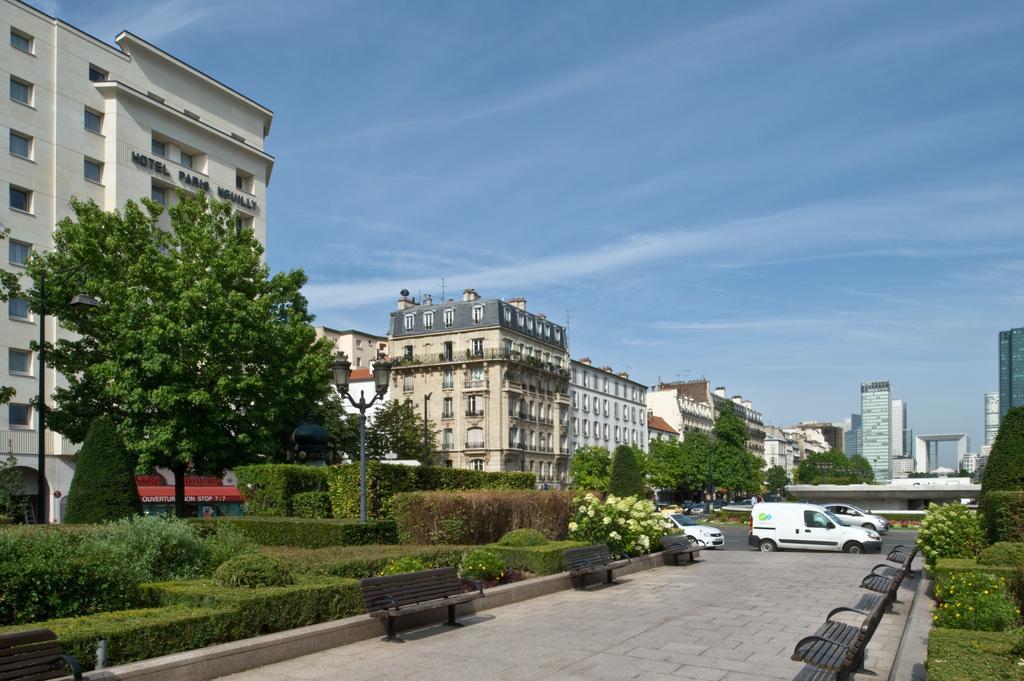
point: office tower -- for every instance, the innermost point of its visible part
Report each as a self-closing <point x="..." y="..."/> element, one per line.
<point x="876" y="427"/>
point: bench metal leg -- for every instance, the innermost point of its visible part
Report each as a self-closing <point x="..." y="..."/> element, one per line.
<point x="675" y="559"/>
<point x="608" y="579"/>
<point x="451" y="617"/>
<point x="391" y="628"/>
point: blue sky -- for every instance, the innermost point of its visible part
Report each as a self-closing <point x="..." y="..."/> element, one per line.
<point x="788" y="198"/>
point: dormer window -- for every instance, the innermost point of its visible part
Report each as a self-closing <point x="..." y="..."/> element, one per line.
<point x="508" y="315"/>
<point x="521" y="319"/>
<point x="428" y="320"/>
<point x="478" y="314"/>
<point x="449" y="318"/>
<point x="410" y="322"/>
<point x="529" y="324"/>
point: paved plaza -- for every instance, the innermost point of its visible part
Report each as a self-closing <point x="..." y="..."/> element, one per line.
<point x="733" y="615"/>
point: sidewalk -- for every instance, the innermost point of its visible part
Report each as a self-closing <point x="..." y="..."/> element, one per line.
<point x="733" y="615"/>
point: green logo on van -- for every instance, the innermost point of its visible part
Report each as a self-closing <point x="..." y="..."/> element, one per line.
<point x="764" y="516"/>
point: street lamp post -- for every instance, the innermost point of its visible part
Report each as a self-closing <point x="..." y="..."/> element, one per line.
<point x="426" y="431"/>
<point x="79" y="302"/>
<point x="342" y="369"/>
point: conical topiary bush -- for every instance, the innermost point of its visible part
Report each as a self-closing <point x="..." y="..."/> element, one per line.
<point x="104" y="484"/>
<point x="626" y="479"/>
<point x="1005" y="468"/>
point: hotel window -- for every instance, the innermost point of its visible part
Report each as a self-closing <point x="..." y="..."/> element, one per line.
<point x="19" y="415"/>
<point x="586" y="428"/>
<point x="187" y="160"/>
<point x="407" y="352"/>
<point x="616" y="410"/>
<point x="477" y="464"/>
<point x="475" y="437"/>
<point x="17" y="308"/>
<point x="93" y="171"/>
<point x="449" y="318"/>
<point x="617" y="434"/>
<point x="22" y="41"/>
<point x="96" y="74"/>
<point x="478" y="314"/>
<point x="446" y="439"/>
<point x="428" y="320"/>
<point x="19" y="362"/>
<point x="446" y="379"/>
<point x="158" y="194"/>
<point x="243" y="181"/>
<point x="410" y="322"/>
<point x="447" y="351"/>
<point x="18" y="252"/>
<point x="158" y="147"/>
<point x="20" y="145"/>
<point x="506" y="346"/>
<point x="606" y="407"/>
<point x="407" y="384"/>
<point x="478" y="347"/>
<point x="20" y="199"/>
<point x="474" y="405"/>
<point x="93" y="120"/>
<point x="606" y="431"/>
<point x="446" y="408"/>
<point x="21" y="91"/>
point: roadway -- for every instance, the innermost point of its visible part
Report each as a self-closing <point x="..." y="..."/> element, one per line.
<point x="736" y="539"/>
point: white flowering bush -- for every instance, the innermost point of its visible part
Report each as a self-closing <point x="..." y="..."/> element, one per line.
<point x="628" y="525"/>
<point x="950" y="531"/>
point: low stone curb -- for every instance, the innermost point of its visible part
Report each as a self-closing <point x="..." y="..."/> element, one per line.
<point x="230" y="658"/>
<point x="913" y="650"/>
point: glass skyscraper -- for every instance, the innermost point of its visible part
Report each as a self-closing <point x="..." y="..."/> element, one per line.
<point x="876" y="427"/>
<point x="1011" y="370"/>
<point x="851" y="435"/>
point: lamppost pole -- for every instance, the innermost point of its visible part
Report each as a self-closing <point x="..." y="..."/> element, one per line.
<point x="426" y="431"/>
<point x="342" y="369"/>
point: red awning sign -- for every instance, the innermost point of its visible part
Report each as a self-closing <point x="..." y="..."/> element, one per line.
<point x="164" y="494"/>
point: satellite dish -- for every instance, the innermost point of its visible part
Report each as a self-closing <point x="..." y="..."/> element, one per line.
<point x="404" y="292"/>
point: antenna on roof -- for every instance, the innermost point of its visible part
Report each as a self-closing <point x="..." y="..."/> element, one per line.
<point x="442" y="289"/>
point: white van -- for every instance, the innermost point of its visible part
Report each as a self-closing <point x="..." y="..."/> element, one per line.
<point x="776" y="526"/>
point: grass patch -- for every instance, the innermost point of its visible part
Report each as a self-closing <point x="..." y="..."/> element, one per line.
<point x="358" y="562"/>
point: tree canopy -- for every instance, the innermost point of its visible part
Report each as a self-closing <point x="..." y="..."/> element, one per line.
<point x="590" y="468"/>
<point x="735" y="468"/>
<point x="833" y="468"/>
<point x="776" y="478"/>
<point x="200" y="356"/>
<point x="396" y="428"/>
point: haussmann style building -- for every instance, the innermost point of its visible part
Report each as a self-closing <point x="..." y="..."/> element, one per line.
<point x="608" y="408"/>
<point x="110" y="123"/>
<point x="496" y="381"/>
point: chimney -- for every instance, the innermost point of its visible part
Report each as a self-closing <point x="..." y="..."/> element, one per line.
<point x="518" y="303"/>
<point x="586" y="361"/>
<point x="720" y="391"/>
<point x="405" y="302"/>
<point x="748" y="404"/>
<point x="470" y="294"/>
<point x="428" y="299"/>
<point x="623" y="374"/>
<point x="608" y="369"/>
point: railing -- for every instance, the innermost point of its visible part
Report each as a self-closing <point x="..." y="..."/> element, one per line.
<point x="17" y="441"/>
<point x="447" y="415"/>
<point x="482" y="383"/>
<point x="447" y="446"/>
<point x="474" y="412"/>
<point x="443" y="358"/>
<point x="476" y="445"/>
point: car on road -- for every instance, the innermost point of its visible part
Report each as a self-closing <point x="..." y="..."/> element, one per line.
<point x="853" y="515"/>
<point x="776" y="526"/>
<point x="711" y="537"/>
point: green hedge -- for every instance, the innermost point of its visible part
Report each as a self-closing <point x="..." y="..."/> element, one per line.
<point x="361" y="561"/>
<point x="269" y="488"/>
<point x="546" y="559"/>
<point x="479" y="516"/>
<point x="383" y="481"/>
<point x="1003" y="516"/>
<point x="311" y="505"/>
<point x="948" y="566"/>
<point x="305" y="532"/>
<point x="965" y="655"/>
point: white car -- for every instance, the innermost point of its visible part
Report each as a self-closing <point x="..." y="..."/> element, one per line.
<point x="711" y="537"/>
<point x="853" y="515"/>
<point x="777" y="526"/>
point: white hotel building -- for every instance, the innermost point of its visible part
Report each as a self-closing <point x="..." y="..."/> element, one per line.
<point x="110" y="123"/>
<point x="608" y="409"/>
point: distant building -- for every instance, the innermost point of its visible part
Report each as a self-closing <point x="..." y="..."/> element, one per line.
<point x="851" y="434"/>
<point x="830" y="432"/>
<point x="876" y="429"/>
<point x="898" y="425"/>
<point x="781" y="450"/>
<point x="680" y="409"/>
<point x="360" y="347"/>
<point x="969" y="462"/>
<point x="991" y="417"/>
<point x="700" y="391"/>
<point x="902" y="467"/>
<point x="608" y="409"/>
<point x="1011" y="370"/>
<point x="658" y="429"/>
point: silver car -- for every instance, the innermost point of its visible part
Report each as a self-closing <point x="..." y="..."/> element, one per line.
<point x="858" y="517"/>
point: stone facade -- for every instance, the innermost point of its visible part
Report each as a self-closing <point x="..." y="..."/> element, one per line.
<point x="608" y="408"/>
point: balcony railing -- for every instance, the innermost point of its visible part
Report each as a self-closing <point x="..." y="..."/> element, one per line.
<point x="476" y="445"/>
<point x="475" y="384"/>
<point x="474" y="412"/>
<point x="17" y="441"/>
<point x="447" y="415"/>
<point x="513" y="356"/>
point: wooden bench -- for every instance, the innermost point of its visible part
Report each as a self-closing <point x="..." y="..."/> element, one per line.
<point x="679" y="544"/>
<point x="395" y="595"/>
<point x="836" y="649"/>
<point x="34" y="655"/>
<point x="586" y="560"/>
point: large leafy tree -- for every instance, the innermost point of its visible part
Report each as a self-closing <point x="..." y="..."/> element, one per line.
<point x="775" y="478"/>
<point x="735" y="468"/>
<point x="398" y="429"/>
<point x="589" y="469"/>
<point x="696" y="449"/>
<point x="833" y="468"/>
<point x="665" y="464"/>
<point x="199" y="355"/>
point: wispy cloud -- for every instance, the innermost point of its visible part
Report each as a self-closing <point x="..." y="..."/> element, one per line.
<point x="153" y="21"/>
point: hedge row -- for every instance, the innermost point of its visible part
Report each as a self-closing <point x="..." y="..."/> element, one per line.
<point x="961" y="654"/>
<point x="311" y="505"/>
<point x="270" y="488"/>
<point x="546" y="559"/>
<point x="383" y="481"/>
<point x="203" y="615"/>
<point x="358" y="562"/>
<point x="479" y="517"/>
<point x="304" y="532"/>
<point x="1003" y="516"/>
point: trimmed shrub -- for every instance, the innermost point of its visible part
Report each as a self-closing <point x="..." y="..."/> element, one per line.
<point x="270" y="488"/>
<point x="479" y="517"/>
<point x="1003" y="553"/>
<point x="546" y="559"/>
<point x="962" y="655"/>
<point x="308" y="533"/>
<point x="253" y="570"/>
<point x="103" y="487"/>
<point x="1005" y="468"/>
<point x="384" y="481"/>
<point x="626" y="479"/>
<point x="1003" y="513"/>
<point x="524" y="537"/>
<point x="311" y="505"/>
<point x="151" y="548"/>
<point x="950" y="531"/>
<point x="974" y="600"/>
<point x="400" y="566"/>
<point x="945" y="568"/>
<point x="481" y="564"/>
<point x="629" y="526"/>
<point x="359" y="562"/>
